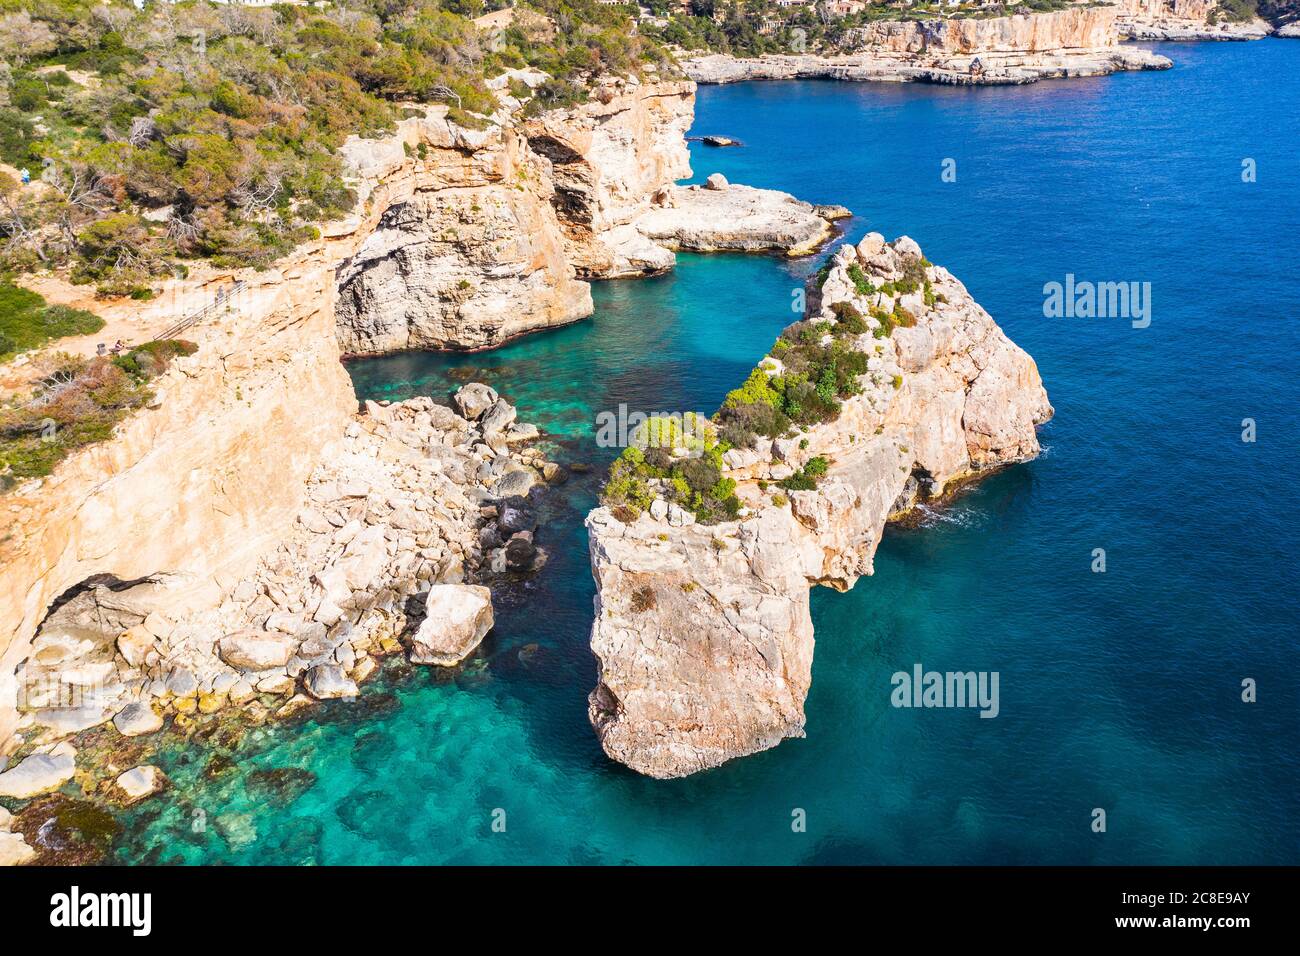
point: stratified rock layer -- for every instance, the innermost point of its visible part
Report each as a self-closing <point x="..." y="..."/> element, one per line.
<point x="1183" y="20"/>
<point x="702" y="634"/>
<point x="491" y="234"/>
<point x="1077" y="41"/>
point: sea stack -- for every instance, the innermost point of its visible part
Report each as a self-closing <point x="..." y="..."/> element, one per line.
<point x="702" y="631"/>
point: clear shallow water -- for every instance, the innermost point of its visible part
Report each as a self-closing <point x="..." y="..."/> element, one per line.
<point x="1118" y="690"/>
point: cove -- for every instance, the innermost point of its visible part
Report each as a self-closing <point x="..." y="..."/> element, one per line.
<point x="1119" y="690"/>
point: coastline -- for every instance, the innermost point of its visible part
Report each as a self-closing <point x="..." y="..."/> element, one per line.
<point x="484" y="348"/>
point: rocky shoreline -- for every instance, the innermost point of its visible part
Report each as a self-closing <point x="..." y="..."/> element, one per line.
<point x="1018" y="49"/>
<point x="1178" y="20"/>
<point x="293" y="545"/>
<point x="1004" y="69"/>
<point x="404" y="522"/>
<point x="702" y="632"/>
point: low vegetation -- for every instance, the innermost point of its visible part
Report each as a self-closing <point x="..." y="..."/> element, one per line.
<point x="820" y="368"/>
<point x="683" y="465"/>
<point x="1235" y="11"/>
<point x="813" y="367"/>
<point x="75" y="403"/>
<point x="198" y="130"/>
<point x="26" y="322"/>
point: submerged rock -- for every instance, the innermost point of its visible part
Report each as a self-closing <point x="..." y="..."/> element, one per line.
<point x="39" y="773"/>
<point x="67" y="832"/>
<point x="329" y="682"/>
<point x="279" y="786"/>
<point x="140" y="782"/>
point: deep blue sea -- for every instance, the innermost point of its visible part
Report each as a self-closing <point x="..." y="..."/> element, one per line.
<point x="1119" y="690"/>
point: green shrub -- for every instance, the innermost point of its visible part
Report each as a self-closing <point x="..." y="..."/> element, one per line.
<point x="76" y="403"/>
<point x="26" y="322"/>
<point x="861" y="283"/>
<point x="806" y="478"/>
<point x="849" y="320"/>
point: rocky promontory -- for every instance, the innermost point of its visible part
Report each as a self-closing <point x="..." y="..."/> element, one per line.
<point x="702" y="630"/>
<point x="489" y="234"/>
<point x="721" y="216"/>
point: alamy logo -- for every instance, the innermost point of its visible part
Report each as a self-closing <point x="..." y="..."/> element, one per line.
<point x="1101" y="300"/>
<point x="922" y="688"/>
<point x="133" y="910"/>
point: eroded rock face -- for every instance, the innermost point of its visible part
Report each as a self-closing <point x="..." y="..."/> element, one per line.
<point x="1183" y="20"/>
<point x="702" y="634"/>
<point x="474" y="257"/>
<point x="607" y="158"/>
<point x="488" y="235"/>
<point x="1079" y="41"/>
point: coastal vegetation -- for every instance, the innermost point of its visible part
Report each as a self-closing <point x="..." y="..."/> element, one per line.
<point x="1235" y="11"/>
<point x="811" y="369"/>
<point x="27" y="322"/>
<point x="137" y="139"/>
<point x="816" y="367"/>
<point x="77" y="402"/>
<point x="683" y="464"/>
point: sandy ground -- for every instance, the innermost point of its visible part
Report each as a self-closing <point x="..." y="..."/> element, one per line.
<point x="126" y="320"/>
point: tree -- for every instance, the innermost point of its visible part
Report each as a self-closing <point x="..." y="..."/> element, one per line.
<point x="22" y="38"/>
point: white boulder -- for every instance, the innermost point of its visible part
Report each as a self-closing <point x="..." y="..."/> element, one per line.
<point x="457" y="616"/>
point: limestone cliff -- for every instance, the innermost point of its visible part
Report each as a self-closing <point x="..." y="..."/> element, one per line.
<point x="471" y="257"/>
<point x="1183" y="20"/>
<point x="198" y="487"/>
<point x="192" y="492"/>
<point x="702" y="634"/>
<point x="491" y="234"/>
<point x="607" y="158"/>
<point x="1024" y="48"/>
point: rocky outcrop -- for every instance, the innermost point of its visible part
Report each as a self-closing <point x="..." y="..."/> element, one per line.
<point x="491" y="234"/>
<point x="702" y="633"/>
<point x="1183" y="20"/>
<point x="469" y="252"/>
<point x="403" y="505"/>
<point x="721" y="216"/>
<point x="1078" y="41"/>
<point x="607" y="158"/>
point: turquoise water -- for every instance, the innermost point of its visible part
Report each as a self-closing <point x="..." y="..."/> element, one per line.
<point x="1118" y="690"/>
